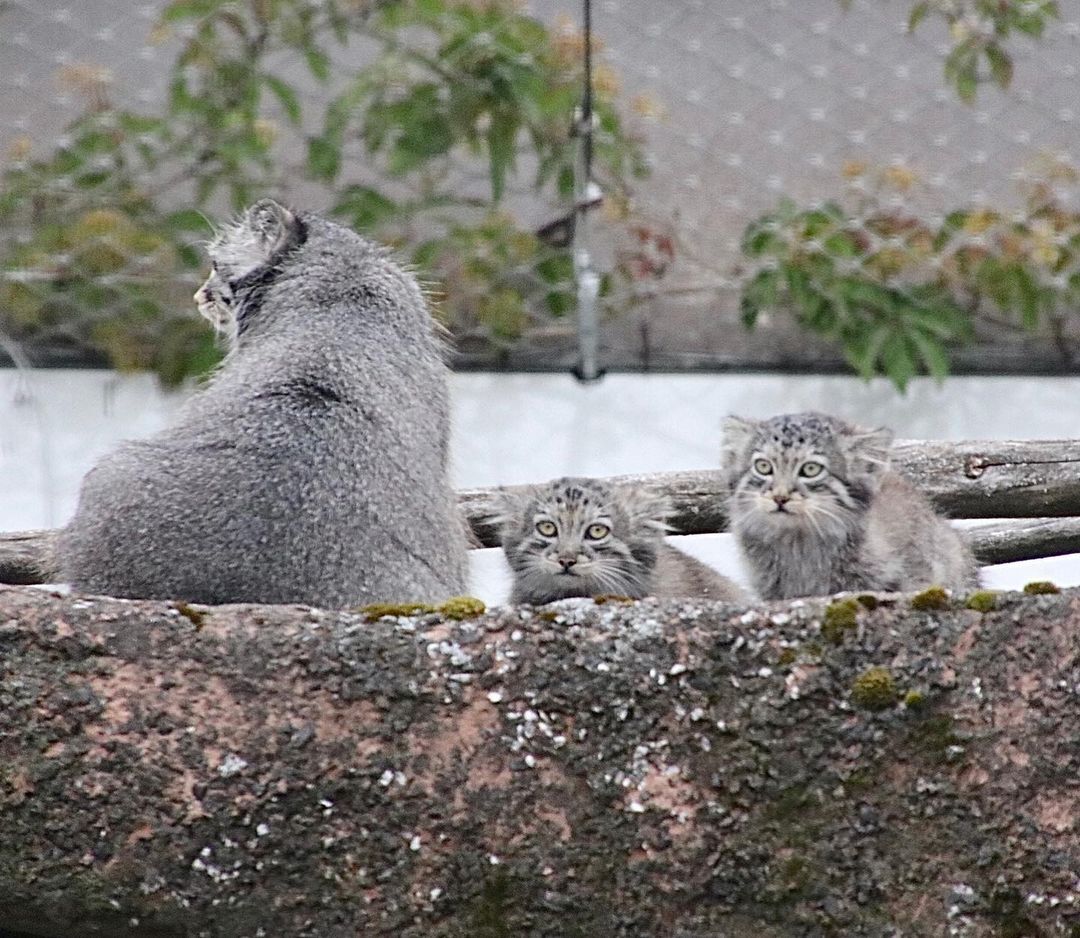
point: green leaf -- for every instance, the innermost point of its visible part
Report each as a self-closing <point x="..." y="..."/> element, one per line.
<point x="324" y="158"/>
<point x="189" y="9"/>
<point x="1001" y="66"/>
<point x="897" y="362"/>
<point x="364" y="207"/>
<point x="918" y="14"/>
<point x="188" y="220"/>
<point x="501" y="138"/>
<point x="862" y="347"/>
<point x="932" y="353"/>
<point x="318" y="63"/>
<point x="286" y="95"/>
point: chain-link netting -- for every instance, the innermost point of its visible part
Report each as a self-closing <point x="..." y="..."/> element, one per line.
<point x="883" y="180"/>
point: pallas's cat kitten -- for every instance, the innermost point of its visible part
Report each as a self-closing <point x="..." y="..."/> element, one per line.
<point x="584" y="537"/>
<point x="816" y="510"/>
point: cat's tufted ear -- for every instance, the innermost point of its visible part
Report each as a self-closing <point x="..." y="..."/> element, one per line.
<point x="868" y="452"/>
<point x="738" y="436"/>
<point x="273" y="226"/>
<point x="647" y="511"/>
<point x="506" y="508"/>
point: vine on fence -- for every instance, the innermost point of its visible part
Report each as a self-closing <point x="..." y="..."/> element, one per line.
<point x="107" y="262"/>
<point x="896" y="291"/>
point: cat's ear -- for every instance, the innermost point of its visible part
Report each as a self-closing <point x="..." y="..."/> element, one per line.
<point x="274" y="227"/>
<point x="738" y="435"/>
<point x="647" y="511"/>
<point x="868" y="452"/>
<point x="505" y="508"/>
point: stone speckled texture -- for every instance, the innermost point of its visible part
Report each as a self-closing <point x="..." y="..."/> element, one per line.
<point x="625" y="769"/>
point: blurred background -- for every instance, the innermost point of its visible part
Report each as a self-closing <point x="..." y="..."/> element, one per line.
<point x="869" y="208"/>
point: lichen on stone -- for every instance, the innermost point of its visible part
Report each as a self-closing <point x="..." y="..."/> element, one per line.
<point x="461" y="607"/>
<point x="840" y="617"/>
<point x="787" y="656"/>
<point x="874" y="689"/>
<point x="932" y="598"/>
<point x="1041" y="588"/>
<point x="868" y="600"/>
<point x="611" y="598"/>
<point x="982" y="601"/>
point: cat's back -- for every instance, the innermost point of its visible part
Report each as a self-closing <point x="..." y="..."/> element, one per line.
<point x="678" y="575"/>
<point x="313" y="468"/>
<point x="914" y="546"/>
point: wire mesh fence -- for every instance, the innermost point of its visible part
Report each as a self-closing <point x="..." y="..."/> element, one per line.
<point x="853" y="183"/>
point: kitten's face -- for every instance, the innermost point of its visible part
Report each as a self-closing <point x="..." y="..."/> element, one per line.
<point x="581" y="537"/>
<point x="238" y="253"/>
<point x="801" y="472"/>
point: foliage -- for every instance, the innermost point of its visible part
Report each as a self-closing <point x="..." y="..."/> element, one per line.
<point x="442" y="80"/>
<point x="979" y="31"/>
<point x="896" y="292"/>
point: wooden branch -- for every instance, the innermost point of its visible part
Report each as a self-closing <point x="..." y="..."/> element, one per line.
<point x="1025" y="540"/>
<point x="1038" y="479"/>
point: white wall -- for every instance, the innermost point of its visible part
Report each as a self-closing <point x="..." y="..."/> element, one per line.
<point x="527" y="428"/>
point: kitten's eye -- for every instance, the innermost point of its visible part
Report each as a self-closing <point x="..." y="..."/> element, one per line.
<point x="763" y="467"/>
<point x="811" y="470"/>
<point x="547" y="528"/>
<point x="597" y="531"/>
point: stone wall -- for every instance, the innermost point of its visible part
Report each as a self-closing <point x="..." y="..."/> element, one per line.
<point x="873" y="767"/>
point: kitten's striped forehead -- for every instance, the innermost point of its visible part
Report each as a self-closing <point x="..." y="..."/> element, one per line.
<point x="575" y="493"/>
<point x="791" y="430"/>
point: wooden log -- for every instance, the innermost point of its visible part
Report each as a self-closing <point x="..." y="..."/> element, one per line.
<point x="1025" y="540"/>
<point x="625" y="769"/>
<point x="979" y="479"/>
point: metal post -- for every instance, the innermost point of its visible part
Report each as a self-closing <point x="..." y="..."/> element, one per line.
<point x="586" y="194"/>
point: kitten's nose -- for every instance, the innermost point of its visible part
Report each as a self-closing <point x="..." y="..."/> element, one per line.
<point x="781" y="499"/>
<point x="567" y="562"/>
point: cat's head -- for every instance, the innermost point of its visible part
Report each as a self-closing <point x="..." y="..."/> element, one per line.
<point x="581" y="537"/>
<point x="804" y="471"/>
<point x="243" y="254"/>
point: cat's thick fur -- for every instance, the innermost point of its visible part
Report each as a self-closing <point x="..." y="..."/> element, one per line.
<point x="584" y="537"/>
<point x="816" y="510"/>
<point x="313" y="467"/>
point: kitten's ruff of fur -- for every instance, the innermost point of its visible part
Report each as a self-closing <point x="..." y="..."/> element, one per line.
<point x="313" y="467"/>
<point x="815" y="511"/>
<point x="583" y="537"/>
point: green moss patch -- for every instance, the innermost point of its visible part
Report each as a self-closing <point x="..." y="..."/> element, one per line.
<point x="982" y="601"/>
<point x="381" y="610"/>
<point x="461" y="607"/>
<point x="933" y="598"/>
<point x="1042" y="588"/>
<point x="874" y="689"/>
<point x="840" y="618"/>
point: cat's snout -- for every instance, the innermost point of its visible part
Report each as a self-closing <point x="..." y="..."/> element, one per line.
<point x="781" y="499"/>
<point x="567" y="563"/>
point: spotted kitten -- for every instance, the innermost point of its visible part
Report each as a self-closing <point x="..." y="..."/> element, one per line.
<point x="816" y="510"/>
<point x="583" y="537"/>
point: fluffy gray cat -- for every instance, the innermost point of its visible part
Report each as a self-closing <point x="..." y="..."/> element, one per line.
<point x="584" y="537"/>
<point x="815" y="510"/>
<point x="313" y="467"/>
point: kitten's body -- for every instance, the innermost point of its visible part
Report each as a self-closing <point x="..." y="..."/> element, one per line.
<point x="853" y="526"/>
<point x="313" y="467"/>
<point x="548" y="539"/>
